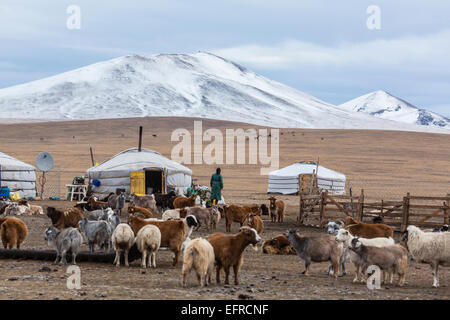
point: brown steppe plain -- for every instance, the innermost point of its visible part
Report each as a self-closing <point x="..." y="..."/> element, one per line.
<point x="387" y="164"/>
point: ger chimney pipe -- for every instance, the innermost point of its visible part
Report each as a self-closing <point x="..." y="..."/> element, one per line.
<point x="140" y="139"/>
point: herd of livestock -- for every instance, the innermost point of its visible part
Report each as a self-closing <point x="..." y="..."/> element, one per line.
<point x="98" y="223"/>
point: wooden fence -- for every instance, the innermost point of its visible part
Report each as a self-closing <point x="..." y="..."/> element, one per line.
<point x="316" y="210"/>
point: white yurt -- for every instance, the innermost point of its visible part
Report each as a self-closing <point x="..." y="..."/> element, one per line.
<point x="18" y="176"/>
<point x="287" y="180"/>
<point x="141" y="172"/>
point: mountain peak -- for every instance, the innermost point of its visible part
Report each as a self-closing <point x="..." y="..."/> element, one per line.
<point x="382" y="104"/>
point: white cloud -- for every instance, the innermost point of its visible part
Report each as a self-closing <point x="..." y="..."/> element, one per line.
<point x="412" y="52"/>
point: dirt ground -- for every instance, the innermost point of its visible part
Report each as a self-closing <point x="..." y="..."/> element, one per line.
<point x="262" y="276"/>
<point x="386" y="164"/>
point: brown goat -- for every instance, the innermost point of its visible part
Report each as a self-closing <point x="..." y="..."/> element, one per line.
<point x="255" y="222"/>
<point x="367" y="230"/>
<point x="13" y="232"/>
<point x="173" y="233"/>
<point x="255" y="209"/>
<point x="228" y="250"/>
<point x="97" y="205"/>
<point x="277" y="209"/>
<point x="66" y="219"/>
<point x="233" y="213"/>
<point x="182" y="202"/>
<point x="278" y="245"/>
<point x="147" y="213"/>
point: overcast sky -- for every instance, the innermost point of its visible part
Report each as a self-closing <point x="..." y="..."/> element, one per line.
<point x="322" y="47"/>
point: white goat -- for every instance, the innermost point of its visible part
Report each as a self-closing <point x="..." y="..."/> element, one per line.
<point x="432" y="248"/>
<point x="346" y="238"/>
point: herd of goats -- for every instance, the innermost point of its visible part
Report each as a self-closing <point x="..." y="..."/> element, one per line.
<point x="98" y="223"/>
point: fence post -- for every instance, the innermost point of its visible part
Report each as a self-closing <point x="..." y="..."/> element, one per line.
<point x="361" y="206"/>
<point x="323" y="203"/>
<point x="300" y="214"/>
<point x="405" y="217"/>
<point x="446" y="210"/>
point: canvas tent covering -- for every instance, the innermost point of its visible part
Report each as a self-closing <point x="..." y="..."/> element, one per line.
<point x="18" y="176"/>
<point x="115" y="173"/>
<point x="286" y="180"/>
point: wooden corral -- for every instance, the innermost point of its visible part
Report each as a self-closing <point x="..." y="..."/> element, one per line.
<point x="316" y="210"/>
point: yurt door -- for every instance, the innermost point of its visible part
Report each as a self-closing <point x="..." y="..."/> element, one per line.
<point x="137" y="182"/>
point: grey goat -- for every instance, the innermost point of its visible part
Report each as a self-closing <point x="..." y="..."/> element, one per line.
<point x="65" y="241"/>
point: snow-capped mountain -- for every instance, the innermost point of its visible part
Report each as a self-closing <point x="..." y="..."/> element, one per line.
<point x="383" y="105"/>
<point x="186" y="85"/>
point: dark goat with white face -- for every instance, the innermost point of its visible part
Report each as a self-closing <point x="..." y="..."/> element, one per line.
<point x="333" y="227"/>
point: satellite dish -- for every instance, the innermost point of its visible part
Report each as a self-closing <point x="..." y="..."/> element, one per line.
<point x="44" y="161"/>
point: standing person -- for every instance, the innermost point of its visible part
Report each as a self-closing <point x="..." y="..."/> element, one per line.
<point x="216" y="187"/>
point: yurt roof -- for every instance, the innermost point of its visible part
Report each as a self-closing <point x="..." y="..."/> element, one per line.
<point x="9" y="163"/>
<point x="307" y="167"/>
<point x="133" y="160"/>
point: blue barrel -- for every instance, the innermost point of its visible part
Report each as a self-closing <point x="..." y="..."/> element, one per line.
<point x="5" y="192"/>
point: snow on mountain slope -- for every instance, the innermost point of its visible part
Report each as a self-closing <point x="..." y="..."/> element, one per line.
<point x="386" y="106"/>
<point x="196" y="85"/>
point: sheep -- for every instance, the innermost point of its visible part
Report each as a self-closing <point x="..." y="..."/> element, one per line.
<point x="117" y="202"/>
<point x="66" y="219"/>
<point x="65" y="241"/>
<point x="148" y="241"/>
<point x="174" y="214"/>
<point x="278" y="245"/>
<point x="198" y="255"/>
<point x="147" y="201"/>
<point x="367" y="230"/>
<point x="255" y="222"/>
<point x="346" y="238"/>
<point x="13" y="232"/>
<point x="316" y="248"/>
<point x="391" y="259"/>
<point x="277" y="209"/>
<point x="96" y="232"/>
<point x="122" y="240"/>
<point x="432" y="248"/>
<point x="207" y="216"/>
<point x="141" y="211"/>
<point x="173" y="232"/>
<point x="228" y="250"/>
